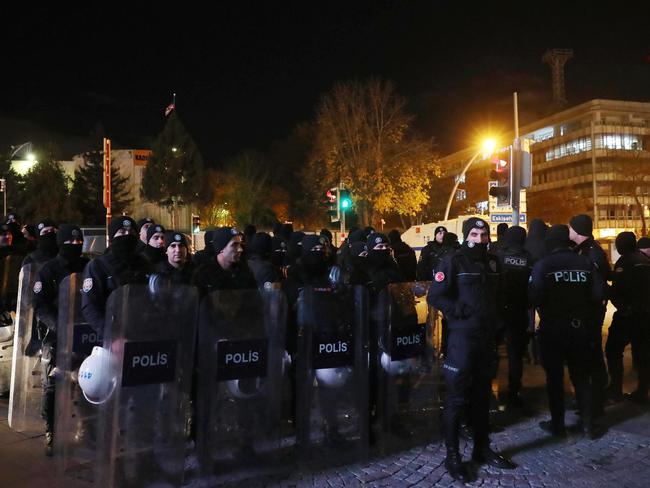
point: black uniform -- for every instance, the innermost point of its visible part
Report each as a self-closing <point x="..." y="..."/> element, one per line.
<point x="46" y="296"/>
<point x="629" y="294"/>
<point x="566" y="289"/>
<point x="404" y="256"/>
<point x="597" y="371"/>
<point x="516" y="265"/>
<point x="260" y="249"/>
<point x="209" y="277"/>
<point x="430" y="257"/>
<point x="105" y="274"/>
<point x="465" y="288"/>
<point x="176" y="276"/>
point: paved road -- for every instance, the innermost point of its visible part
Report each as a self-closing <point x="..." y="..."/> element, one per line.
<point x="620" y="458"/>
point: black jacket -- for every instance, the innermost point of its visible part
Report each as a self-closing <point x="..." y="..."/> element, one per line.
<point x="105" y="274"/>
<point x="46" y="293"/>
<point x="429" y="260"/>
<point x="263" y="271"/>
<point x="516" y="266"/>
<point x="406" y="261"/>
<point x="177" y="276"/>
<point x="565" y="286"/>
<point x="467" y="291"/>
<point x="630" y="291"/>
<point x="210" y="277"/>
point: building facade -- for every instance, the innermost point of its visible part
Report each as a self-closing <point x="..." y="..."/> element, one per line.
<point x="593" y="158"/>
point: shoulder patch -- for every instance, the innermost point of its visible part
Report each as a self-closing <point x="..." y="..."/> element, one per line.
<point x="38" y="286"/>
<point x="439" y="276"/>
<point x="87" y="285"/>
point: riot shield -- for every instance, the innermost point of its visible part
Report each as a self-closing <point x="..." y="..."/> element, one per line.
<point x="242" y="365"/>
<point x="406" y="379"/>
<point x="75" y="440"/>
<point x="146" y="369"/>
<point x="332" y="374"/>
<point x="26" y="390"/>
<point x="8" y="298"/>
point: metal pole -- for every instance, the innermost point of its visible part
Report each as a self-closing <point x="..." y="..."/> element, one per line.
<point x="515" y="179"/>
<point x="460" y="177"/>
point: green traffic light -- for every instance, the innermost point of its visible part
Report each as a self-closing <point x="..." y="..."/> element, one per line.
<point x="345" y="203"/>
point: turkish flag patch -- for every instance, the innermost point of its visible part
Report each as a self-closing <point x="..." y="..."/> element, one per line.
<point x="439" y="276"/>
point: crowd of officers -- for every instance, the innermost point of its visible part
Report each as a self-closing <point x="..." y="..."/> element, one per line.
<point x="488" y="293"/>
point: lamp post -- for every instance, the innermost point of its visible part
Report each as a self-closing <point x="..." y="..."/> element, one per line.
<point x="487" y="147"/>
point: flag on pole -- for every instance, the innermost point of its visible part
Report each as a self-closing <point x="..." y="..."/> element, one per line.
<point x="171" y="106"/>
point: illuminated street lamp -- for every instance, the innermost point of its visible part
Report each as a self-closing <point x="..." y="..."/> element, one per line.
<point x="488" y="147"/>
<point x="30" y="161"/>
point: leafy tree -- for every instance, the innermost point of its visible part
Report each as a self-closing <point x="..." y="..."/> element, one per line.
<point x="633" y="180"/>
<point x="87" y="192"/>
<point x="362" y="139"/>
<point x="174" y="174"/>
<point x="14" y="183"/>
<point x="45" y="192"/>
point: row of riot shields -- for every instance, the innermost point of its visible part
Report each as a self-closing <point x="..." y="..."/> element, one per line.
<point x="364" y="367"/>
<point x="10" y="268"/>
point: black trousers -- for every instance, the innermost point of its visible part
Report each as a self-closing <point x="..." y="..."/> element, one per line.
<point x="597" y="368"/>
<point x="623" y="331"/>
<point x="468" y="370"/>
<point x="48" y="363"/>
<point x="515" y="332"/>
<point x="562" y="343"/>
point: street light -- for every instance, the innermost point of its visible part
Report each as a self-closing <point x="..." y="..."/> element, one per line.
<point x="487" y="147"/>
<point x="15" y="150"/>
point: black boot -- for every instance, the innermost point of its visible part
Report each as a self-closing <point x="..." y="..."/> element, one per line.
<point x="492" y="458"/>
<point x="455" y="467"/>
<point x="49" y="443"/>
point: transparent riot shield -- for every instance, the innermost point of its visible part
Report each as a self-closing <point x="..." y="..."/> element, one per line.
<point x="145" y="368"/>
<point x="75" y="439"/>
<point x="8" y="298"/>
<point x="406" y="379"/>
<point x="242" y="363"/>
<point x="26" y="391"/>
<point x="332" y="374"/>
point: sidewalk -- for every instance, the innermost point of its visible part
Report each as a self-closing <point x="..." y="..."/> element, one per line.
<point x="620" y="458"/>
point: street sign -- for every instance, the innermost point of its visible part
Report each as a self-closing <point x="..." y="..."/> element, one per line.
<point x="497" y="218"/>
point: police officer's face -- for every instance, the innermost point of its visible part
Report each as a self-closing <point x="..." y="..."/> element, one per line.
<point x="176" y="254"/>
<point x="440" y="236"/>
<point x="231" y="254"/>
<point x="157" y="240"/>
<point x="143" y="232"/>
<point x="47" y="230"/>
<point x="573" y="235"/>
<point x="478" y="236"/>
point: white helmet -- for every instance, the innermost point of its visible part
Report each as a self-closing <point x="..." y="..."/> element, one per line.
<point x="6" y="333"/>
<point x="245" y="388"/>
<point x="94" y="376"/>
<point x="333" y="377"/>
<point x="394" y="368"/>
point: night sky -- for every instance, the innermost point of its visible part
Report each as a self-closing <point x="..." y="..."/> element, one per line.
<point x="246" y="73"/>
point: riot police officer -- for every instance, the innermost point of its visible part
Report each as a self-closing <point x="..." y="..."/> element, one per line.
<point x="516" y="264"/>
<point x="566" y="290"/>
<point x="259" y="262"/>
<point x="143" y="226"/>
<point x="46" y="293"/>
<point x="225" y="270"/>
<point x="580" y="232"/>
<point x="46" y="247"/>
<point x="465" y="287"/>
<point x="155" y="251"/>
<point x="404" y="256"/>
<point x="119" y="266"/>
<point x="629" y="294"/>
<point x="431" y="254"/>
<point x="177" y="266"/>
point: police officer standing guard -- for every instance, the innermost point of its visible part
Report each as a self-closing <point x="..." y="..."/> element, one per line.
<point x="465" y="287"/>
<point x="46" y="306"/>
<point x="567" y="291"/>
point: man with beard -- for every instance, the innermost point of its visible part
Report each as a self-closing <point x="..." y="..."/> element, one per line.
<point x="46" y="299"/>
<point x="154" y="251"/>
<point x="47" y="247"/>
<point x="431" y="254"/>
<point x="121" y="265"/>
<point x="465" y="287"/>
<point x="226" y="270"/>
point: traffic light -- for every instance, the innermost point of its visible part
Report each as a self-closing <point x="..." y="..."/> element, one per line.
<point x="196" y="224"/>
<point x="345" y="202"/>
<point x="333" y="206"/>
<point x="502" y="175"/>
